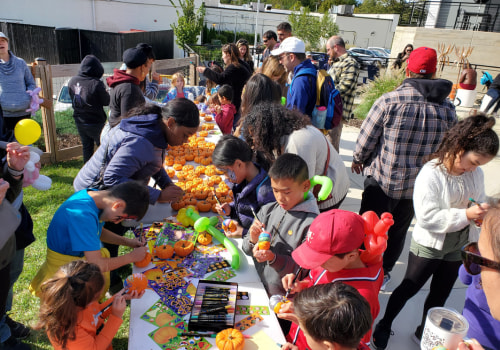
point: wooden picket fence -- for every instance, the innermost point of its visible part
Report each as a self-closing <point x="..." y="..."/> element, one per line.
<point x="44" y="74"/>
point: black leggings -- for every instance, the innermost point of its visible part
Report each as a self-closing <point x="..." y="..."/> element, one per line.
<point x="419" y="270"/>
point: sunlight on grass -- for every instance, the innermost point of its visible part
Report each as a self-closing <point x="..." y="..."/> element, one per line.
<point x="374" y="89"/>
<point x="42" y="206"/>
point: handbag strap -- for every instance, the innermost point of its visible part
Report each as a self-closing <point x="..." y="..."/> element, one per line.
<point x="327" y="157"/>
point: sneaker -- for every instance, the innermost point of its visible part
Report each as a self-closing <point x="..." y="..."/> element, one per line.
<point x="17" y="329"/>
<point x="387" y="279"/>
<point x="417" y="336"/>
<point x="14" y="344"/>
<point x="381" y="336"/>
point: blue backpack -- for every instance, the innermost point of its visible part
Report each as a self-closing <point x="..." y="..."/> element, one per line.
<point x="326" y="95"/>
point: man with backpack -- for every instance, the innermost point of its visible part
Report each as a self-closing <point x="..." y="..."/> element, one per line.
<point x="302" y="91"/>
<point x="345" y="72"/>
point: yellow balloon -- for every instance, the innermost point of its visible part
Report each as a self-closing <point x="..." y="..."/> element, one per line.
<point x="27" y="131"/>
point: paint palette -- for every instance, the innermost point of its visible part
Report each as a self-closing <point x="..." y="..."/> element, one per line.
<point x="214" y="307"/>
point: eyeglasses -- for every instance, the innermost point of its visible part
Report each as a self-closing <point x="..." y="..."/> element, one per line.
<point x="265" y="41"/>
<point x="280" y="57"/>
<point x="473" y="260"/>
<point x="125" y="217"/>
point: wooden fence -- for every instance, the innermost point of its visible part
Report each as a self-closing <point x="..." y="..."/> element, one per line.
<point x="44" y="73"/>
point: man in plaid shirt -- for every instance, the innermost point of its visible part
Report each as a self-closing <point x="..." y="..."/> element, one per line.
<point x="401" y="129"/>
<point x="344" y="72"/>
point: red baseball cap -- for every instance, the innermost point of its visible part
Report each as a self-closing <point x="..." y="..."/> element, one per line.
<point x="333" y="232"/>
<point x="423" y="60"/>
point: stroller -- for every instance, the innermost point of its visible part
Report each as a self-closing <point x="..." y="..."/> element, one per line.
<point x="490" y="102"/>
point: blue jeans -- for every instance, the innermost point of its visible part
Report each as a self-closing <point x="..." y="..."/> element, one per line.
<point x="90" y="135"/>
<point x="4" y="277"/>
<point x="16" y="267"/>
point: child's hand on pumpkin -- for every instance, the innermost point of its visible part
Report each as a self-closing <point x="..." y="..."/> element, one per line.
<point x="287" y="313"/>
<point x="131" y="295"/>
<point x="138" y="254"/>
<point x="262" y="255"/>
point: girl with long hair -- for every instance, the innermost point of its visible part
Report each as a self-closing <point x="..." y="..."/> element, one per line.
<point x="446" y="217"/>
<point x="71" y="314"/>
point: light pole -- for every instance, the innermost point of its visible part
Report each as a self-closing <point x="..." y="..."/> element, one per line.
<point x="256" y="25"/>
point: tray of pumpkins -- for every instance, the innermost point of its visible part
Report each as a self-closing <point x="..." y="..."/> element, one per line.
<point x="190" y="166"/>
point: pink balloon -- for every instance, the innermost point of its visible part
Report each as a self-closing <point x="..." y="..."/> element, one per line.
<point x="370" y="218"/>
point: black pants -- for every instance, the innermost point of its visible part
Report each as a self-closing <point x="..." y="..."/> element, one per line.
<point x="419" y="270"/>
<point x="120" y="230"/>
<point x="376" y="200"/>
<point x="9" y="123"/>
<point x="4" y="288"/>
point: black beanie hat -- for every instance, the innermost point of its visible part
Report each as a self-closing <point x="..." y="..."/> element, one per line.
<point x="134" y="57"/>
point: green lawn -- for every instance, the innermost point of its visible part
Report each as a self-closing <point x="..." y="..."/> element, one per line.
<point x="42" y="206"/>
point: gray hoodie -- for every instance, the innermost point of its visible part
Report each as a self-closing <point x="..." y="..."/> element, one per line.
<point x="291" y="233"/>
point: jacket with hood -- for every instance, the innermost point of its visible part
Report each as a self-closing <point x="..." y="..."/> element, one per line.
<point x="15" y="80"/>
<point x="234" y="76"/>
<point x="302" y="92"/>
<point x="88" y="93"/>
<point x="225" y="118"/>
<point x="125" y="95"/>
<point x="288" y="230"/>
<point x="251" y="195"/>
<point x="402" y="128"/>
<point x="135" y="151"/>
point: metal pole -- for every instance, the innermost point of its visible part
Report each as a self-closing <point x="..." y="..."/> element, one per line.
<point x="256" y="24"/>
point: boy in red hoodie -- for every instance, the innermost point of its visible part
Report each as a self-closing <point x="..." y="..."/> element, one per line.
<point x="331" y="252"/>
<point x="225" y="112"/>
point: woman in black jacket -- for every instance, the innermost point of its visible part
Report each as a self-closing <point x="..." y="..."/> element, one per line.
<point x="236" y="74"/>
<point x="89" y="96"/>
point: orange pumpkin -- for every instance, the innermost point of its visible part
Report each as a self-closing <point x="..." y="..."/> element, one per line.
<point x="191" y="201"/>
<point x="204" y="133"/>
<point x="183" y="248"/>
<point x="164" y="251"/>
<point x="189" y="156"/>
<point x="170" y="172"/>
<point x="204" y="238"/>
<point x="230" y="339"/>
<point x="206" y="161"/>
<point x="178" y="205"/>
<point x="204" y="206"/>
<point x="177" y="166"/>
<point x="144" y="262"/>
<point x="211" y="199"/>
<point x="165" y="334"/>
<point x="200" y="194"/>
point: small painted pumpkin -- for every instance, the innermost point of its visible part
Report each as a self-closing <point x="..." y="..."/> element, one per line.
<point x="204" y="238"/>
<point x="144" y="262"/>
<point x="230" y="339"/>
<point x="264" y="245"/>
<point x="136" y="281"/>
<point x="164" y="251"/>
<point x="183" y="248"/>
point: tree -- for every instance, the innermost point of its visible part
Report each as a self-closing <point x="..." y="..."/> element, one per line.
<point x="189" y="23"/>
<point x="311" y="28"/>
<point x="381" y="6"/>
<point x="328" y="4"/>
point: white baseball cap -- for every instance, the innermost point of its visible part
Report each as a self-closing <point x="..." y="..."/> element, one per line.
<point x="291" y="44"/>
<point x="2" y="35"/>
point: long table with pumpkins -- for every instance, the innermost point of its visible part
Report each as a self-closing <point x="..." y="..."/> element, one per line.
<point x="202" y="291"/>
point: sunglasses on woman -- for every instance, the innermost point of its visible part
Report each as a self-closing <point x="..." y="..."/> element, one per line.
<point x="473" y="260"/>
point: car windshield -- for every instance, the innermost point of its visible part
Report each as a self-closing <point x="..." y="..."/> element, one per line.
<point x="64" y="95"/>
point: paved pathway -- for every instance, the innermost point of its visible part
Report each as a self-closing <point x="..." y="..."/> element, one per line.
<point x="406" y="322"/>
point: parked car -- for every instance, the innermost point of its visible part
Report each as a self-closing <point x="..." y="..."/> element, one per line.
<point x="383" y="51"/>
<point x="319" y="59"/>
<point x="378" y="56"/>
<point x="367" y="60"/>
<point x="62" y="100"/>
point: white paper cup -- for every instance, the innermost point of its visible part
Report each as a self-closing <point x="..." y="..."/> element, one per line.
<point x="444" y="327"/>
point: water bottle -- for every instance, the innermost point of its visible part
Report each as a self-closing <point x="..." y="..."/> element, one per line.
<point x="319" y="117"/>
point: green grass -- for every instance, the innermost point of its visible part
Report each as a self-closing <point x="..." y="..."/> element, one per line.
<point x="42" y="206"/>
<point x="373" y="90"/>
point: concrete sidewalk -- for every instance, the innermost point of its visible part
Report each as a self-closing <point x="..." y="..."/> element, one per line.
<point x="409" y="318"/>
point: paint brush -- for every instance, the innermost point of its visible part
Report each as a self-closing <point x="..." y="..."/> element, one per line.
<point x="218" y="202"/>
